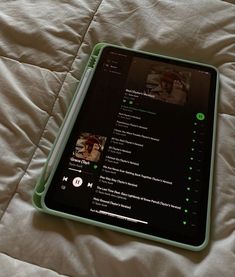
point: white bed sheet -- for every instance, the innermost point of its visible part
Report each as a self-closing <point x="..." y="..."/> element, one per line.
<point x="44" y="47"/>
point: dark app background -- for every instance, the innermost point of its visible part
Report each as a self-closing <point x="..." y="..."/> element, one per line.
<point x="139" y="153"/>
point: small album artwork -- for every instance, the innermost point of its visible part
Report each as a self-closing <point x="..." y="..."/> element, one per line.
<point x="89" y="147"/>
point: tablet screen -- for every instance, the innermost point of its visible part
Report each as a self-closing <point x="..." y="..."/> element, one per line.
<point x="139" y="154"/>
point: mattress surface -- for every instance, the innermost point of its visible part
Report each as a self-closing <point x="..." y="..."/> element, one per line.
<point x="44" y="48"/>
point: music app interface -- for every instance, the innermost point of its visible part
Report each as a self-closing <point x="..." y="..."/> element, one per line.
<point x="139" y="153"/>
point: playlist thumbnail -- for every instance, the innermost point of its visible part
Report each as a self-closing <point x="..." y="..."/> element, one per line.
<point x="168" y="85"/>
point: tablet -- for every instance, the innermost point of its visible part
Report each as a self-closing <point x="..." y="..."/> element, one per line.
<point x="135" y="153"/>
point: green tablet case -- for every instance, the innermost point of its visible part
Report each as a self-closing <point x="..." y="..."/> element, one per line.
<point x="56" y="152"/>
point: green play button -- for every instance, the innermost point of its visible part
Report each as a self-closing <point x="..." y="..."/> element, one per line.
<point x="200" y="116"/>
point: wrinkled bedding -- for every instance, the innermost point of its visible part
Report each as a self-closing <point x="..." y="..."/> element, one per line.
<point x="44" y="47"/>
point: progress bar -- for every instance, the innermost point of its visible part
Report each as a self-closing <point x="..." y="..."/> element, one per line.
<point x="73" y="169"/>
